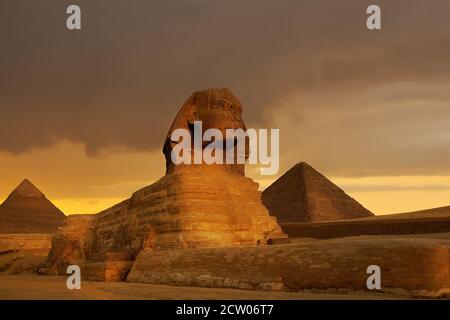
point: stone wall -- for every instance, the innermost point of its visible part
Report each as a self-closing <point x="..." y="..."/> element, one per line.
<point x="108" y="271"/>
<point x="23" y="252"/>
<point x="375" y="226"/>
<point x="16" y="242"/>
<point x="415" y="265"/>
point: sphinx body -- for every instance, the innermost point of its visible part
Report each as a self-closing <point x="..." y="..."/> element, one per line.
<point x="192" y="206"/>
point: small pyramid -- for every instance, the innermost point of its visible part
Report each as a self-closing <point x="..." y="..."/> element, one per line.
<point x="304" y="195"/>
<point x="27" y="210"/>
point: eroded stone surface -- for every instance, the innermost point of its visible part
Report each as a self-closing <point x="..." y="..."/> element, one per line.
<point x="23" y="252"/>
<point x="415" y="265"/>
<point x="16" y="242"/>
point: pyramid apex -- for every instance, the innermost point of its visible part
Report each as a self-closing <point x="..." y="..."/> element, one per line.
<point x="27" y="189"/>
<point x="25" y="181"/>
<point x="303" y="164"/>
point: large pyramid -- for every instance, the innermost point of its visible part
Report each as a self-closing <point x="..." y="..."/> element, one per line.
<point x="304" y="195"/>
<point x="27" y="210"/>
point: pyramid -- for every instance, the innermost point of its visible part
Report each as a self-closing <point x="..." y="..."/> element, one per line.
<point x="27" y="210"/>
<point x="304" y="195"/>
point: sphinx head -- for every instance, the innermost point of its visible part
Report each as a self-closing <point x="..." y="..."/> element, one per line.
<point x="216" y="109"/>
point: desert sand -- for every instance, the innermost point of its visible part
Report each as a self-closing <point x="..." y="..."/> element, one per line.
<point x="34" y="287"/>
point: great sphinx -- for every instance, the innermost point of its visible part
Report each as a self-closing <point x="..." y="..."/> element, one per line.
<point x="192" y="206"/>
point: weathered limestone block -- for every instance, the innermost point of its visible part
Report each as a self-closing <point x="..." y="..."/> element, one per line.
<point x="192" y="206"/>
<point x="109" y="271"/>
<point x="23" y="252"/>
<point x="420" y="266"/>
<point x="71" y="244"/>
<point x="30" y="241"/>
<point x="227" y="212"/>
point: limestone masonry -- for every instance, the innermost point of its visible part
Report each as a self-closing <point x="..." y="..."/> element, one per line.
<point x="420" y="266"/>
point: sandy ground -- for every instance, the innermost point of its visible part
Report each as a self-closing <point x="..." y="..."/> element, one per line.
<point x="31" y="287"/>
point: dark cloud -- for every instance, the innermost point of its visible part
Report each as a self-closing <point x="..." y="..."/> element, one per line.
<point x="120" y="81"/>
<point x="391" y="130"/>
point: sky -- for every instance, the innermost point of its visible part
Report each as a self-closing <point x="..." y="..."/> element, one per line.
<point x="83" y="114"/>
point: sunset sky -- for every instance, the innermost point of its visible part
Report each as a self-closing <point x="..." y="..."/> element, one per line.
<point x="83" y="114"/>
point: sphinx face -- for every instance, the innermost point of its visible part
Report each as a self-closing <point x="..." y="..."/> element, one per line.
<point x="221" y="112"/>
<point x="216" y="109"/>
